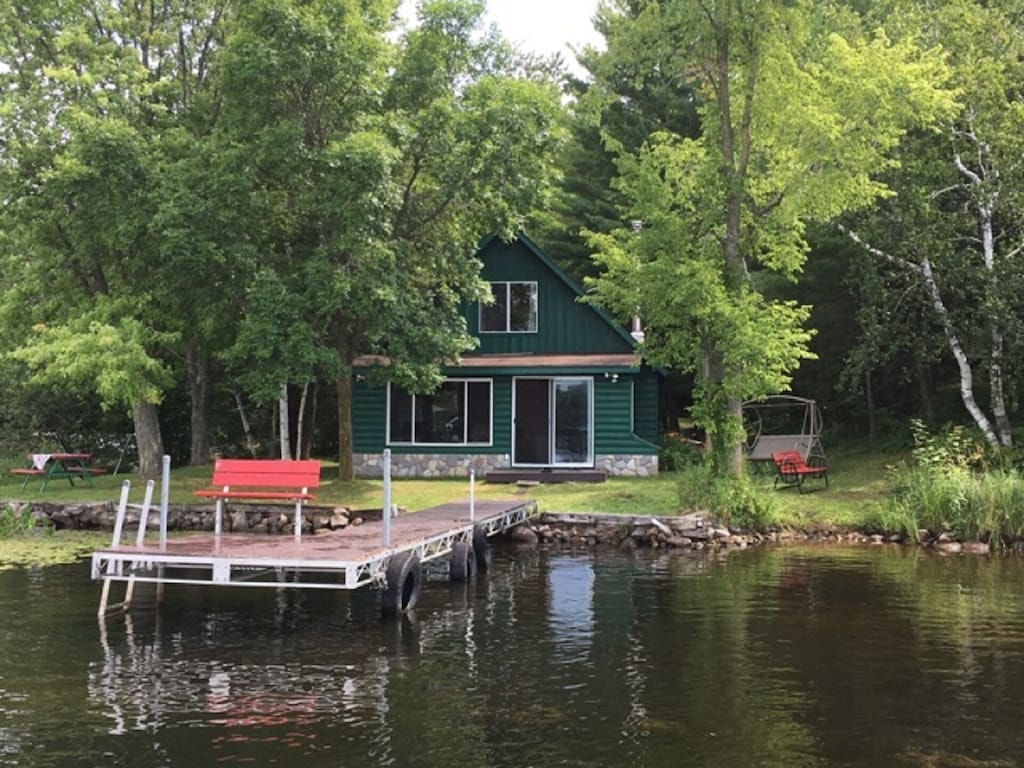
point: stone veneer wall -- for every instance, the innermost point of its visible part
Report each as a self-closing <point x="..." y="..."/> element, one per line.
<point x="628" y="465"/>
<point x="459" y="464"/>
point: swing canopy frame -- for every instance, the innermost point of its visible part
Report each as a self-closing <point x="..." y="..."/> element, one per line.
<point x="783" y="423"/>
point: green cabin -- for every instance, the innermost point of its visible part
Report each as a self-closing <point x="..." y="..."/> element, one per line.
<point x="554" y="386"/>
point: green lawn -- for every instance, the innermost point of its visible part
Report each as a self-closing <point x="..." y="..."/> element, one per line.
<point x="856" y="483"/>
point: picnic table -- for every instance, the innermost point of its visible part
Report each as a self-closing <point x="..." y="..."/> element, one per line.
<point x="48" y="466"/>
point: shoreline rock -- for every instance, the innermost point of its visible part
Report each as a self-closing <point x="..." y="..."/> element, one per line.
<point x="689" y="531"/>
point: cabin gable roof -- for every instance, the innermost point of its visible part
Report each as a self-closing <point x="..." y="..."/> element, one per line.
<point x="564" y="324"/>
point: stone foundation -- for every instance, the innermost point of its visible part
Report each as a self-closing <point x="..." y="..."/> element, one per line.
<point x="459" y="464"/>
<point x="430" y="464"/>
<point x="628" y="465"/>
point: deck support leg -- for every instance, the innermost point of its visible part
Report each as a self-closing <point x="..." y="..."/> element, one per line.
<point x="217" y="514"/>
<point x="104" y="596"/>
<point x="298" y="519"/>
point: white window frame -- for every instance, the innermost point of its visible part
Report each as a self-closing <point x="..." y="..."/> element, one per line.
<point x="465" y="426"/>
<point x="551" y="380"/>
<point x="508" y="306"/>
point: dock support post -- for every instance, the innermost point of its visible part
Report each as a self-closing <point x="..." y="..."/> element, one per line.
<point x="386" y="511"/>
<point x="472" y="495"/>
<point x="165" y="493"/>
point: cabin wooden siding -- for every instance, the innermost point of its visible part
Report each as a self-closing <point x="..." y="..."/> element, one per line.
<point x="564" y="325"/>
<point x="614" y="418"/>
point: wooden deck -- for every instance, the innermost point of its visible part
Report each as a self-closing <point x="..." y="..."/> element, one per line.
<point x="343" y="559"/>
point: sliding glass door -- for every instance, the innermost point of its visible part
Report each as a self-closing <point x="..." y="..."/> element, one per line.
<point x="553" y="422"/>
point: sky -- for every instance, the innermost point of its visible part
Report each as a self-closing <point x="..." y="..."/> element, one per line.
<point x="546" y="26"/>
<point x="543" y="26"/>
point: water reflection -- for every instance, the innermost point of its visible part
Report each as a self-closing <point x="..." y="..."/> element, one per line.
<point x="777" y="657"/>
<point x="570" y="604"/>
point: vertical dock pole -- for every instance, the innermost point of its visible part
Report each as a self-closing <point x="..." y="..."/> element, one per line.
<point x="165" y="493"/>
<point x="472" y="495"/>
<point x="386" y="511"/>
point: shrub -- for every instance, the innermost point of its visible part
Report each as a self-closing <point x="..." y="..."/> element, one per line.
<point x="946" y="490"/>
<point x="735" y="501"/>
<point x="15" y="523"/>
<point x="677" y="452"/>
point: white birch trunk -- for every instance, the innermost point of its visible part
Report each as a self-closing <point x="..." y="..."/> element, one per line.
<point x="302" y="418"/>
<point x="250" y="441"/>
<point x="962" y="361"/>
<point x="924" y="270"/>
<point x="282" y="420"/>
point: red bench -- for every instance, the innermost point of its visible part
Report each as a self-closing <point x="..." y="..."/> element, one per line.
<point x="263" y="480"/>
<point x="793" y="470"/>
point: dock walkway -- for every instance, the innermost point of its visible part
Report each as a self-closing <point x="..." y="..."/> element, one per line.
<point x="348" y="558"/>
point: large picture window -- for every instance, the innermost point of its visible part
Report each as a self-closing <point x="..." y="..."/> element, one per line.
<point x="514" y="309"/>
<point x="458" y="413"/>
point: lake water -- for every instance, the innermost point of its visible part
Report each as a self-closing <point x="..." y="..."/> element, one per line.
<point x="782" y="656"/>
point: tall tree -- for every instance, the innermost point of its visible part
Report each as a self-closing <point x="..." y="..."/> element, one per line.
<point x="91" y="95"/>
<point x="379" y="170"/>
<point x="800" y="110"/>
<point x="957" y="228"/>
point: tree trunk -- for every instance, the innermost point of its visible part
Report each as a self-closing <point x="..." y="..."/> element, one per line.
<point x="962" y="361"/>
<point x="869" y="401"/>
<point x="346" y="468"/>
<point x="250" y="441"/>
<point x="283" y="419"/>
<point x="924" y="390"/>
<point x="148" y="439"/>
<point x="997" y="387"/>
<point x="199" y="390"/>
<point x="300" y="422"/>
<point x="305" y="447"/>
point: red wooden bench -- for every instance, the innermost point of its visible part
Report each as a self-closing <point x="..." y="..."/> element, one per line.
<point x="263" y="480"/>
<point x="793" y="470"/>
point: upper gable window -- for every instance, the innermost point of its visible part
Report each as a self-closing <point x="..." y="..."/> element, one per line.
<point x="514" y="309"/>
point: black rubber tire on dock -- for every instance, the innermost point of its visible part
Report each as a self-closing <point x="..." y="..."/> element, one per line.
<point x="462" y="567"/>
<point x="404" y="583"/>
<point x="481" y="548"/>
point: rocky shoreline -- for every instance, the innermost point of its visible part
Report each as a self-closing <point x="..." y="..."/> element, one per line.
<point x="691" y="531"/>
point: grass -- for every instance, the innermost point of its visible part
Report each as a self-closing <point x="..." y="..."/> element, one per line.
<point x="858" y="489"/>
<point x="857" y="485"/>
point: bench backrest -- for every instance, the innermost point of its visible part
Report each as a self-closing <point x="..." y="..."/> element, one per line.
<point x="788" y="459"/>
<point x="266" y="473"/>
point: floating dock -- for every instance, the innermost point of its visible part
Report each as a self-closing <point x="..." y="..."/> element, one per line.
<point x="349" y="558"/>
<point x="388" y="553"/>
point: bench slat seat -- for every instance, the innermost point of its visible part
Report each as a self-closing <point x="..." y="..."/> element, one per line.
<point x="288" y="495"/>
<point x="793" y="470"/>
<point x="266" y="479"/>
<point x="27" y="471"/>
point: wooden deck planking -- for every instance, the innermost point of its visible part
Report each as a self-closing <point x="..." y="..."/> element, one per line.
<point x="354" y="543"/>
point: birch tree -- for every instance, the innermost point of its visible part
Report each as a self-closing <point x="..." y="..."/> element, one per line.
<point x="959" y="219"/>
<point x="800" y="107"/>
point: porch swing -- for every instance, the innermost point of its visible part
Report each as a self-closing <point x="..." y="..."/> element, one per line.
<point x="783" y="423"/>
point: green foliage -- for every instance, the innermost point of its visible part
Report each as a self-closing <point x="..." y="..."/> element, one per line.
<point x="110" y="358"/>
<point x="944" y="491"/>
<point x="15" y="523"/>
<point x="953" y="449"/>
<point x="677" y="452"/>
<point x="783" y="90"/>
<point x="734" y="500"/>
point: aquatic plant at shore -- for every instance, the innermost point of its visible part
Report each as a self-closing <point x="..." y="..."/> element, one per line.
<point x="946" y="489"/>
